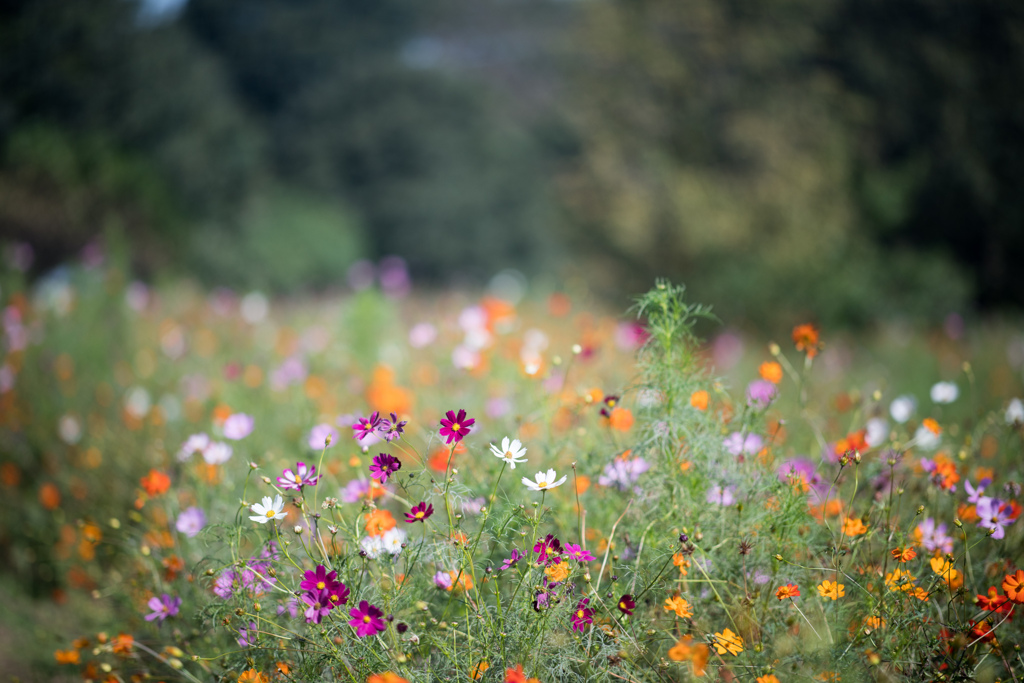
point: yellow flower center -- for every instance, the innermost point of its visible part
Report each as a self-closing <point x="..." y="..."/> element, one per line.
<point x="580" y="614"/>
<point x="419" y="514"/>
<point x="622" y="605"/>
<point x="271" y="513"/>
<point x="456" y="426"/>
<point x="321" y="585"/>
<point x="366" y="619"/>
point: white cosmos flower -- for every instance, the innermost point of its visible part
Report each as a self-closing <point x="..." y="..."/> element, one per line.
<point x="217" y="453"/>
<point x="877" y="431"/>
<point x="926" y="439"/>
<point x="509" y="451"/>
<point x="544" y="481"/>
<point x="373" y="546"/>
<point x="270" y="509"/>
<point x="944" y="392"/>
<point x="902" y="408"/>
<point x="1015" y="412"/>
<point x="392" y="540"/>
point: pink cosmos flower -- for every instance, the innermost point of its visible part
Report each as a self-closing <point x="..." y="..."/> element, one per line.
<point x="163" y="607"/>
<point x="366" y="426"/>
<point x="419" y="513"/>
<point x="577" y="553"/>
<point x="238" y="426"/>
<point x="302" y="476"/>
<point x="456" y="427"/>
<point x="366" y="620"/>
<point x="581" y="616"/>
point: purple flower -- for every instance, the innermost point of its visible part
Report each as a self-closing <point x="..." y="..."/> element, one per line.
<point x="626" y="604"/>
<point x="443" y="580"/>
<point x="366" y="620"/>
<point x="974" y="494"/>
<point x="622" y="473"/>
<point x="581" y="616"/>
<point x="473" y="506"/>
<point x="994" y="514"/>
<point x="721" y="495"/>
<point x="738" y="443"/>
<point x="225" y="585"/>
<point x="354" y="490"/>
<point x="934" y="536"/>
<point x="319" y="579"/>
<point x="163" y="607"/>
<point x="291" y="371"/>
<point x="456" y="427"/>
<point x="238" y="426"/>
<point x="577" y="553"/>
<point x="248" y="635"/>
<point x="318" y="436"/>
<point x="419" y="513"/>
<point x="513" y="560"/>
<point x="384" y="466"/>
<point x="365" y="426"/>
<point x="302" y="476"/>
<point x="197" y="443"/>
<point x="548" y="549"/>
<point x="760" y="394"/>
<point x="391" y="429"/>
<point x="319" y="605"/>
<point x="191" y="521"/>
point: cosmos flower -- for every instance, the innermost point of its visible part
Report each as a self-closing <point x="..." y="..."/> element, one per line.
<point x="197" y="443"/>
<point x="373" y="546"/>
<point x="295" y="480"/>
<point x="626" y="604"/>
<point x="761" y="393"/>
<point x="268" y="510"/>
<point x="238" y="426"/>
<point x="319" y="579"/>
<point x="902" y="408"/>
<point x="581" y="615"/>
<point x="678" y="605"/>
<point x="191" y="521"/>
<point x="790" y="590"/>
<point x="365" y="426"/>
<point x="806" y="339"/>
<point x="392" y="540"/>
<point x="384" y="466"/>
<point x="721" y="495"/>
<point x="738" y="443"/>
<point x="933" y="537"/>
<point x="366" y="620"/>
<point x="944" y="392"/>
<point x="319" y="604"/>
<point x="455" y="427"/>
<point x="623" y="473"/>
<point x="217" y="453"/>
<point x="163" y="607"/>
<point x="831" y="590"/>
<point x="727" y="641"/>
<point x="1015" y="412"/>
<point x="577" y="553"/>
<point x="544" y="481"/>
<point x="548" y="549"/>
<point x="513" y="559"/>
<point x="994" y="514"/>
<point x="419" y="513"/>
<point x="392" y="429"/>
<point x="511" y="452"/>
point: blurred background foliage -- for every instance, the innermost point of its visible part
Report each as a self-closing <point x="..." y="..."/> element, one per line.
<point x="848" y="160"/>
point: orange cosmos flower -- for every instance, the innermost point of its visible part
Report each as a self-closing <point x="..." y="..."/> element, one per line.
<point x="679" y="606"/>
<point x="681" y="561"/>
<point x="122" y="644"/>
<point x="49" y="496"/>
<point x="853" y="526"/>
<point x="516" y="675"/>
<point x="379" y="521"/>
<point x="728" y="642"/>
<point x="1013" y="584"/>
<point x="155" y="483"/>
<point x="831" y="590"/>
<point x="770" y="678"/>
<point x="557" y="572"/>
<point x="477" y="671"/>
<point x="771" y="371"/>
<point x="252" y="676"/>
<point x="900" y="580"/>
<point x="67" y="656"/>
<point x="621" y="419"/>
<point x="686" y="651"/>
<point x="805" y="337"/>
<point x="699" y="399"/>
<point x="903" y="554"/>
<point x="790" y="590"/>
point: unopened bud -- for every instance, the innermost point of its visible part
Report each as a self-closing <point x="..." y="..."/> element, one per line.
<point x="958" y="523"/>
<point x="774" y="349"/>
<point x="856" y="457"/>
<point x="252" y="465"/>
<point x="920" y="509"/>
<point x="778" y="557"/>
<point x="297" y="530"/>
<point x="257" y="607"/>
<point x="327" y="441"/>
<point x="266" y="480"/>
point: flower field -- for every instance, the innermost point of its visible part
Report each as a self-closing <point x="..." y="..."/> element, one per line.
<point x="392" y="486"/>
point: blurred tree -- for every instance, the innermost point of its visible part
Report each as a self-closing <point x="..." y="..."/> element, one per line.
<point x="938" y="111"/>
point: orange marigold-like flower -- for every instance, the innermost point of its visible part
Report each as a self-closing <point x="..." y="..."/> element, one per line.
<point x="252" y="676"/>
<point x="1013" y="584"/>
<point x="806" y="339"/>
<point x="769" y="678"/>
<point x="903" y="554"/>
<point x="621" y="419"/>
<point x="686" y="651"/>
<point x="699" y="399"/>
<point x="944" y="568"/>
<point x="932" y="426"/>
<point x="478" y="671"/>
<point x="790" y="590"/>
<point x="831" y="590"/>
<point x="516" y="675"/>
<point x="682" y="562"/>
<point x="900" y="580"/>
<point x="155" y="483"/>
<point x="122" y="644"/>
<point x="386" y="677"/>
<point x="853" y="526"/>
<point x="558" y="571"/>
<point x="771" y="371"/>
<point x="67" y="656"/>
<point x="678" y="605"/>
<point x="728" y="642"/>
<point x="379" y="521"/>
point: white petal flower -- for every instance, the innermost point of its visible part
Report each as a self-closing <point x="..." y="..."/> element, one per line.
<point x="544" y="481"/>
<point x="373" y="546"/>
<point x="945" y="392"/>
<point x="903" y="408"/>
<point x="217" y="453"/>
<point x="511" y="451"/>
<point x="926" y="439"/>
<point x="877" y="431"/>
<point x="270" y="509"/>
<point x="1015" y="412"/>
<point x="392" y="540"/>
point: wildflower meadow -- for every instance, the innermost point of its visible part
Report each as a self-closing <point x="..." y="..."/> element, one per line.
<point x="400" y="486"/>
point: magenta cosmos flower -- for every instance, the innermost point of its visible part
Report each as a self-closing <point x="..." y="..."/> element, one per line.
<point x="577" y="553"/>
<point x="581" y="616"/>
<point x="391" y="429"/>
<point x="163" y="607"/>
<point x="302" y="476"/>
<point x="456" y="427"/>
<point x="319" y="605"/>
<point x="419" y="513"/>
<point x="384" y="466"/>
<point x="366" y="620"/>
<point x="365" y="426"/>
